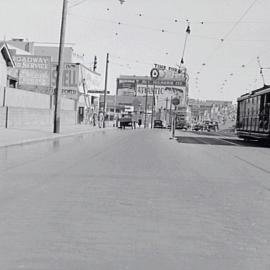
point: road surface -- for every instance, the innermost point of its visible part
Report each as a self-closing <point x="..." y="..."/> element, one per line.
<point x="133" y="199"/>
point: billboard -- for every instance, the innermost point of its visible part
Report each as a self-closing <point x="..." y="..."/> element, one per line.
<point x="126" y="87"/>
<point x="38" y="74"/>
<point x="33" y="62"/>
<point x="172" y="73"/>
<point x="34" y="72"/>
<point x="163" y="93"/>
<point x="164" y="89"/>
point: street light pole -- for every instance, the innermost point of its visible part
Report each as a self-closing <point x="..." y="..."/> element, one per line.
<point x="58" y="92"/>
<point x="105" y="89"/>
<point x="145" y="107"/>
<point x="166" y="109"/>
<point x="153" y="104"/>
<point x="173" y="123"/>
<point x="170" y="119"/>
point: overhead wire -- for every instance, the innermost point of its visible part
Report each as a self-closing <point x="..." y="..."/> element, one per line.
<point x="77" y="3"/>
<point x="219" y="45"/>
<point x="164" y="30"/>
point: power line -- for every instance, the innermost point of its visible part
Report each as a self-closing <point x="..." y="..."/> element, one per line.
<point x="240" y="19"/>
<point x="77" y="3"/>
<point x="219" y="45"/>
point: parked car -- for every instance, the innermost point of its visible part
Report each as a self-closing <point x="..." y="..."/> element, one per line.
<point x="210" y="126"/>
<point x="183" y="126"/>
<point x="198" y="127"/>
<point x="158" y="124"/>
<point x="125" y="121"/>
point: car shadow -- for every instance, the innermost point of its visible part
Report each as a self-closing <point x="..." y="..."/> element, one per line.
<point x="220" y="141"/>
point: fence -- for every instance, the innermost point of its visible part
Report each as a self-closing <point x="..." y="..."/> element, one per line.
<point x="33" y="110"/>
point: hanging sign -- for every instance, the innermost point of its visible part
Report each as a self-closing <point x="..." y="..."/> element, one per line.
<point x="154" y="73"/>
<point x="175" y="101"/>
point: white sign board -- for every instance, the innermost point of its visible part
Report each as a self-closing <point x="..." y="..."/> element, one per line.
<point x="129" y="108"/>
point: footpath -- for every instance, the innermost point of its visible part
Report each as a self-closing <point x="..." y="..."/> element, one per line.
<point x="17" y="136"/>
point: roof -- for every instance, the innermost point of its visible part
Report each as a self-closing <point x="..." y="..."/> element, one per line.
<point x="256" y="90"/>
<point x="6" y="54"/>
<point x="262" y="90"/>
<point x="17" y="50"/>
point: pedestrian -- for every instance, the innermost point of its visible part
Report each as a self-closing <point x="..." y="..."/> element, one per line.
<point x="134" y="120"/>
<point x="116" y="120"/>
<point x="139" y="122"/>
<point x="94" y="119"/>
<point x="100" y="120"/>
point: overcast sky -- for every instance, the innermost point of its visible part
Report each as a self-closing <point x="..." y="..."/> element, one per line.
<point x="140" y="33"/>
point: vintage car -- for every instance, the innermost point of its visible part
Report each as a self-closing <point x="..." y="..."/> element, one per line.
<point x="125" y="121"/>
<point x="158" y="124"/>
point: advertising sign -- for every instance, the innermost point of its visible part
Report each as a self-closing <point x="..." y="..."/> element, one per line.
<point x="162" y="93"/>
<point x="70" y="83"/>
<point x="126" y="87"/>
<point x="172" y="73"/>
<point x="92" y="79"/>
<point x="129" y="108"/>
<point x="154" y="73"/>
<point x="159" y="90"/>
<point x="175" y="101"/>
<point x="33" y="62"/>
<point x="126" y="84"/>
<point x="33" y="72"/>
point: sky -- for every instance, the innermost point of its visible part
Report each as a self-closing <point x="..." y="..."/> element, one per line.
<point x="221" y="51"/>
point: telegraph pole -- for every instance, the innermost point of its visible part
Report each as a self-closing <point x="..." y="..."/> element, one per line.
<point x="173" y="123"/>
<point x="152" y="116"/>
<point x="58" y="93"/>
<point x="105" y="89"/>
<point x="145" y="107"/>
<point x="166" y="110"/>
<point x="170" y="119"/>
<point x="95" y="63"/>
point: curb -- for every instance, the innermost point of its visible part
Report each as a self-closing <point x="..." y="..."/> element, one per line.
<point x="53" y="137"/>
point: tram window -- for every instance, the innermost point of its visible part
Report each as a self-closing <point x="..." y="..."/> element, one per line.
<point x="267" y="104"/>
<point x="257" y="105"/>
<point x="262" y="104"/>
<point x="242" y="112"/>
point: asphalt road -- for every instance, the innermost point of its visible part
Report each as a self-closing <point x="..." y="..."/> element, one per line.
<point x="133" y="199"/>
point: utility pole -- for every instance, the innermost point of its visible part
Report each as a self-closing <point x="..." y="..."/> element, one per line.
<point x="114" y="111"/>
<point x="153" y="104"/>
<point x="146" y="100"/>
<point x="170" y="119"/>
<point x="166" y="108"/>
<point x="261" y="69"/>
<point x="173" y="123"/>
<point x="105" y="88"/>
<point x="95" y="63"/>
<point x="58" y="93"/>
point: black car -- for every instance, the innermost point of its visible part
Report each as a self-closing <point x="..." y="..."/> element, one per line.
<point x="125" y="121"/>
<point x="181" y="126"/>
<point x="158" y="124"/>
<point x="198" y="127"/>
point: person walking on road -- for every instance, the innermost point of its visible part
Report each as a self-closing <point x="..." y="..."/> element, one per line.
<point x="139" y="122"/>
<point x="101" y="120"/>
<point x="134" y="120"/>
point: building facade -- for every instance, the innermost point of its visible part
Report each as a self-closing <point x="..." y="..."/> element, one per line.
<point x="160" y="91"/>
<point x="211" y="110"/>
